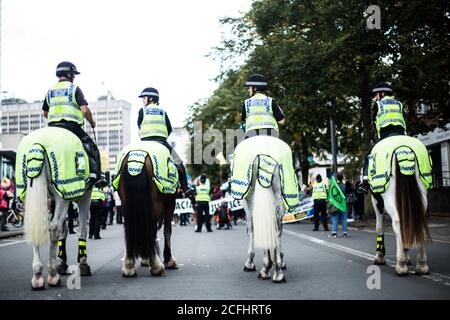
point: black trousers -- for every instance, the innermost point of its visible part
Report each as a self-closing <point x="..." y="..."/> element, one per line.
<point x="176" y="158"/>
<point x="386" y="132"/>
<point x="119" y="214"/>
<point x="320" y="213"/>
<point x="96" y="218"/>
<point x="88" y="144"/>
<point x="203" y="216"/>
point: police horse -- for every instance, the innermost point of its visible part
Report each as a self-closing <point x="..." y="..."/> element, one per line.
<point x="51" y="163"/>
<point x="144" y="205"/>
<point x="399" y="176"/>
<point x="263" y="186"/>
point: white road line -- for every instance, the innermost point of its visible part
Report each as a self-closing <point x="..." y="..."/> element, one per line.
<point x="8" y="244"/>
<point x="392" y="234"/>
<point x="437" y="277"/>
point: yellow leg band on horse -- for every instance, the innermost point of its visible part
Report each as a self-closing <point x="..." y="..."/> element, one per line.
<point x="82" y="243"/>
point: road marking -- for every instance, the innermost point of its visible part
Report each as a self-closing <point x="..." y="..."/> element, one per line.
<point x="393" y="234"/>
<point x="7" y="244"/>
<point x="437" y="277"/>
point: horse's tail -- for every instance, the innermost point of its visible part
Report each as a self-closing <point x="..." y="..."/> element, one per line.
<point x="411" y="209"/>
<point x="36" y="210"/>
<point x="265" y="227"/>
<point x="140" y="224"/>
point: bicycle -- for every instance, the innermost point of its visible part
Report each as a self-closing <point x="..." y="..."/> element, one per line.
<point x="16" y="219"/>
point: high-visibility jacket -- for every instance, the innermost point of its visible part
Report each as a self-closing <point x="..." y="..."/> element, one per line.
<point x="63" y="104"/>
<point x="390" y="112"/>
<point x="259" y="113"/>
<point x="319" y="191"/>
<point x="203" y="193"/>
<point x="98" y="194"/>
<point x="154" y="122"/>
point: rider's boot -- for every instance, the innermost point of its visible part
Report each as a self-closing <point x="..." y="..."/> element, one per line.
<point x="95" y="175"/>
<point x="364" y="185"/>
<point x="190" y="193"/>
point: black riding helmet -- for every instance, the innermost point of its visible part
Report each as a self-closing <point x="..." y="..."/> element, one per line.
<point x="319" y="178"/>
<point x="257" y="81"/>
<point x="66" y="68"/>
<point x="150" y="92"/>
<point x="382" y="87"/>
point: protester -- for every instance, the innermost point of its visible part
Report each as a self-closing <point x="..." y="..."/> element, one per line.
<point x="350" y="198"/>
<point x="359" y="205"/>
<point x="336" y="214"/>
<point x="6" y="194"/>
<point x="223" y="216"/>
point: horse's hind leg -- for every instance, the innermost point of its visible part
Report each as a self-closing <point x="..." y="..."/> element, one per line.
<point x="249" y="264"/>
<point x="84" y="207"/>
<point x="56" y="228"/>
<point x="156" y="267"/>
<point x="264" y="273"/>
<point x="380" y="256"/>
<point x="169" y="260"/>
<point x="421" y="265"/>
<point x="37" y="282"/>
<point x="278" y="275"/>
<point x="128" y="266"/>
<point x="401" y="268"/>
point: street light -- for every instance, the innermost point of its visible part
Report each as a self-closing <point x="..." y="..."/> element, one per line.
<point x="333" y="138"/>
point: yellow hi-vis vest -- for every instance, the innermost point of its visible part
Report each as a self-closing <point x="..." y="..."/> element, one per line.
<point x="319" y="191"/>
<point x="202" y="193"/>
<point x="63" y="104"/>
<point x="154" y="122"/>
<point x="259" y="113"/>
<point x="390" y="112"/>
<point x="98" y="194"/>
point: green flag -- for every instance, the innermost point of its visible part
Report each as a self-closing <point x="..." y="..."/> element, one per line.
<point x="335" y="195"/>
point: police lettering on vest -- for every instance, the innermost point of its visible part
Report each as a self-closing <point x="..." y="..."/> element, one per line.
<point x="63" y="104"/>
<point x="390" y="112"/>
<point x="153" y="122"/>
<point x="259" y="113"/>
<point x="203" y="193"/>
<point x="319" y="191"/>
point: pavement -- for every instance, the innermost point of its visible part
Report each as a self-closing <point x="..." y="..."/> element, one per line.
<point x="211" y="267"/>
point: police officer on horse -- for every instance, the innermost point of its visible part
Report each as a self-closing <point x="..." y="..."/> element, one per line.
<point x="154" y="125"/>
<point x="260" y="113"/>
<point x="65" y="107"/>
<point x="389" y="121"/>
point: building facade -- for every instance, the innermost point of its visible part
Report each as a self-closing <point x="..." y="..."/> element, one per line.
<point x="111" y="134"/>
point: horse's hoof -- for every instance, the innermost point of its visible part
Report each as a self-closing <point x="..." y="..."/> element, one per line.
<point x="62" y="269"/>
<point x="282" y="280"/>
<point x="158" y="273"/>
<point x="249" y="269"/>
<point x="144" y="263"/>
<point x="37" y="284"/>
<point x="50" y="284"/>
<point x="379" y="263"/>
<point x="37" y="288"/>
<point x="263" y="275"/>
<point x="401" y="272"/>
<point x="421" y="271"/>
<point x="129" y="275"/>
<point x="172" y="266"/>
<point x="85" y="269"/>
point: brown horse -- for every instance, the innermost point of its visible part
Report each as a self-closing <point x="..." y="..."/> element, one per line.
<point x="143" y="206"/>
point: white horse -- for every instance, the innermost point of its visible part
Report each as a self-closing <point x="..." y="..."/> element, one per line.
<point x="38" y="232"/>
<point x="405" y="200"/>
<point x="265" y="210"/>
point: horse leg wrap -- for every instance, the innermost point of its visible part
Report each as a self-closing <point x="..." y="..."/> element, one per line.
<point x="81" y="249"/>
<point x="380" y="244"/>
<point x="62" y="250"/>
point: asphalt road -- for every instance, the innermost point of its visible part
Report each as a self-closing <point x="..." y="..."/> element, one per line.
<point x="211" y="267"/>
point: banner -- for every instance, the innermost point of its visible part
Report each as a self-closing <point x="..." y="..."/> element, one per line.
<point x="185" y="205"/>
<point x="305" y="211"/>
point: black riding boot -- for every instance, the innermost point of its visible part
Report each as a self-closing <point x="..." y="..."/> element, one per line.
<point x="95" y="174"/>
<point x="183" y="181"/>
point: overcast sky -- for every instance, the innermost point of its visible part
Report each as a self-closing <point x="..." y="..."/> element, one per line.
<point x="126" y="45"/>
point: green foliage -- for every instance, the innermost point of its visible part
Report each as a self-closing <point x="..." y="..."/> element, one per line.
<point x="321" y="62"/>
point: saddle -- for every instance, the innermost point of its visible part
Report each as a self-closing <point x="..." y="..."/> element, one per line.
<point x="68" y="161"/>
<point x="408" y="151"/>
<point x="269" y="152"/>
<point x="164" y="169"/>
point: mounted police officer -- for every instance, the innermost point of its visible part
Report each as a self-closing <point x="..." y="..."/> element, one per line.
<point x="319" y="196"/>
<point x="260" y="113"/>
<point x="202" y="199"/>
<point x="154" y="125"/>
<point x="65" y="107"/>
<point x="389" y="121"/>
